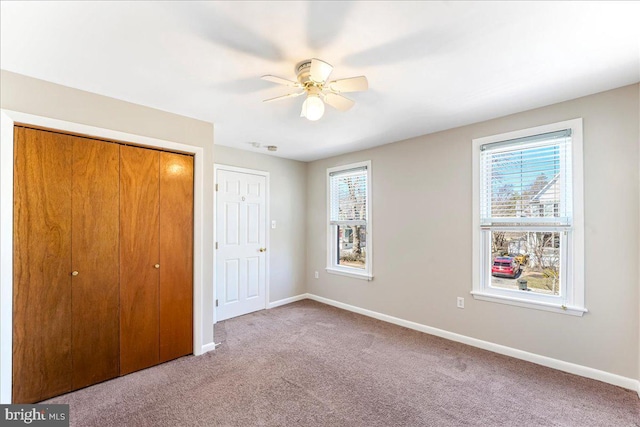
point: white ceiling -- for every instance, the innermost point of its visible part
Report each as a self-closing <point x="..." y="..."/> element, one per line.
<point x="431" y="65"/>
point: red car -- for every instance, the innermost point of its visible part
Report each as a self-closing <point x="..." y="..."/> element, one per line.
<point x="505" y="266"/>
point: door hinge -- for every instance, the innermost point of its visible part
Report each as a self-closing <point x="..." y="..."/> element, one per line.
<point x="216" y="187"/>
<point x="216" y="302"/>
<point x="216" y="245"/>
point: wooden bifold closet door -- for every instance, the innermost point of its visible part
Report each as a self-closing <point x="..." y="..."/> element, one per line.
<point x="156" y="255"/>
<point x="176" y="255"/>
<point x="103" y="261"/>
<point x="65" y="290"/>
<point x="95" y="298"/>
<point x="140" y="258"/>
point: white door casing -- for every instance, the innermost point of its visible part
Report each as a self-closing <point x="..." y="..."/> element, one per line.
<point x="241" y="238"/>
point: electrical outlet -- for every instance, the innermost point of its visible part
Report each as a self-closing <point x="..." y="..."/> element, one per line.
<point x="460" y="302"/>
<point x="316" y="275"/>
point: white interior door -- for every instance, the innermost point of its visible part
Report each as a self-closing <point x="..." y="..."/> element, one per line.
<point x="241" y="243"/>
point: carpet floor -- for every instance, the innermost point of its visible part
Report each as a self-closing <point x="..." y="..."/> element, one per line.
<point x="309" y="364"/>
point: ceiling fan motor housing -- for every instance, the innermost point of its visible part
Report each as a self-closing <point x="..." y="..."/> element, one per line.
<point x="303" y="69"/>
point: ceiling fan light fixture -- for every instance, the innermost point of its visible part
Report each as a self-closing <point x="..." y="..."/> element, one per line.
<point x="313" y="108"/>
<point x="312" y="76"/>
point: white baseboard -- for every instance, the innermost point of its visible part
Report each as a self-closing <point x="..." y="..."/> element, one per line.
<point x="572" y="368"/>
<point x="207" y="348"/>
<point x="287" y="301"/>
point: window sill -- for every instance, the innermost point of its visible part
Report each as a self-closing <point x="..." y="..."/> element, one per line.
<point x="348" y="273"/>
<point x="537" y="305"/>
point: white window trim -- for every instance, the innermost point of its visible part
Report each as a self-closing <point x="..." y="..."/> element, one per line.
<point x="573" y="303"/>
<point x="367" y="272"/>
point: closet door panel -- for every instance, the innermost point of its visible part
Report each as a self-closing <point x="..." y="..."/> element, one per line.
<point x="95" y="256"/>
<point x="42" y="265"/>
<point x="139" y="253"/>
<point x="176" y="256"/>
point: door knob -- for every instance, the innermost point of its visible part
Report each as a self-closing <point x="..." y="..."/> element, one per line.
<point x="157" y="266"/>
<point x="74" y="273"/>
<point x="263" y="249"/>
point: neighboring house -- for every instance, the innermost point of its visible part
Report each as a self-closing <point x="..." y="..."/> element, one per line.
<point x="519" y="245"/>
<point x="545" y="203"/>
<point x="346" y="237"/>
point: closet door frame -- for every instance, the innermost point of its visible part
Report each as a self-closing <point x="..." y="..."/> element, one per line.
<point x="7" y="120"/>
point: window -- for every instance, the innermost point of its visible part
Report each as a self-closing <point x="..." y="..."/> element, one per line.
<point x="528" y="222"/>
<point x="349" y="220"/>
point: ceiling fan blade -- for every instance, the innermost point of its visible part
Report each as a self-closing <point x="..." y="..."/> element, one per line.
<point x="209" y="22"/>
<point x="338" y="101"/>
<point x="280" y="80"/>
<point x="289" y="95"/>
<point x="323" y="32"/>
<point x="351" y="84"/>
<point x="319" y="71"/>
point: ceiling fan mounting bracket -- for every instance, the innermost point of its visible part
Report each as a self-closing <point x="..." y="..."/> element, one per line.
<point x="300" y="66"/>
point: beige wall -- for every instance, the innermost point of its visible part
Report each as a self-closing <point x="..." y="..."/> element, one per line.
<point x="37" y="97"/>
<point x="288" y="189"/>
<point x="422" y="237"/>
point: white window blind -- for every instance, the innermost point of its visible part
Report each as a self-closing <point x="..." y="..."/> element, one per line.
<point x="527" y="181"/>
<point x="348" y="197"/>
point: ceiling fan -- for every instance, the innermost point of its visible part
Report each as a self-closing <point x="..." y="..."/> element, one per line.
<point x="312" y="75"/>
